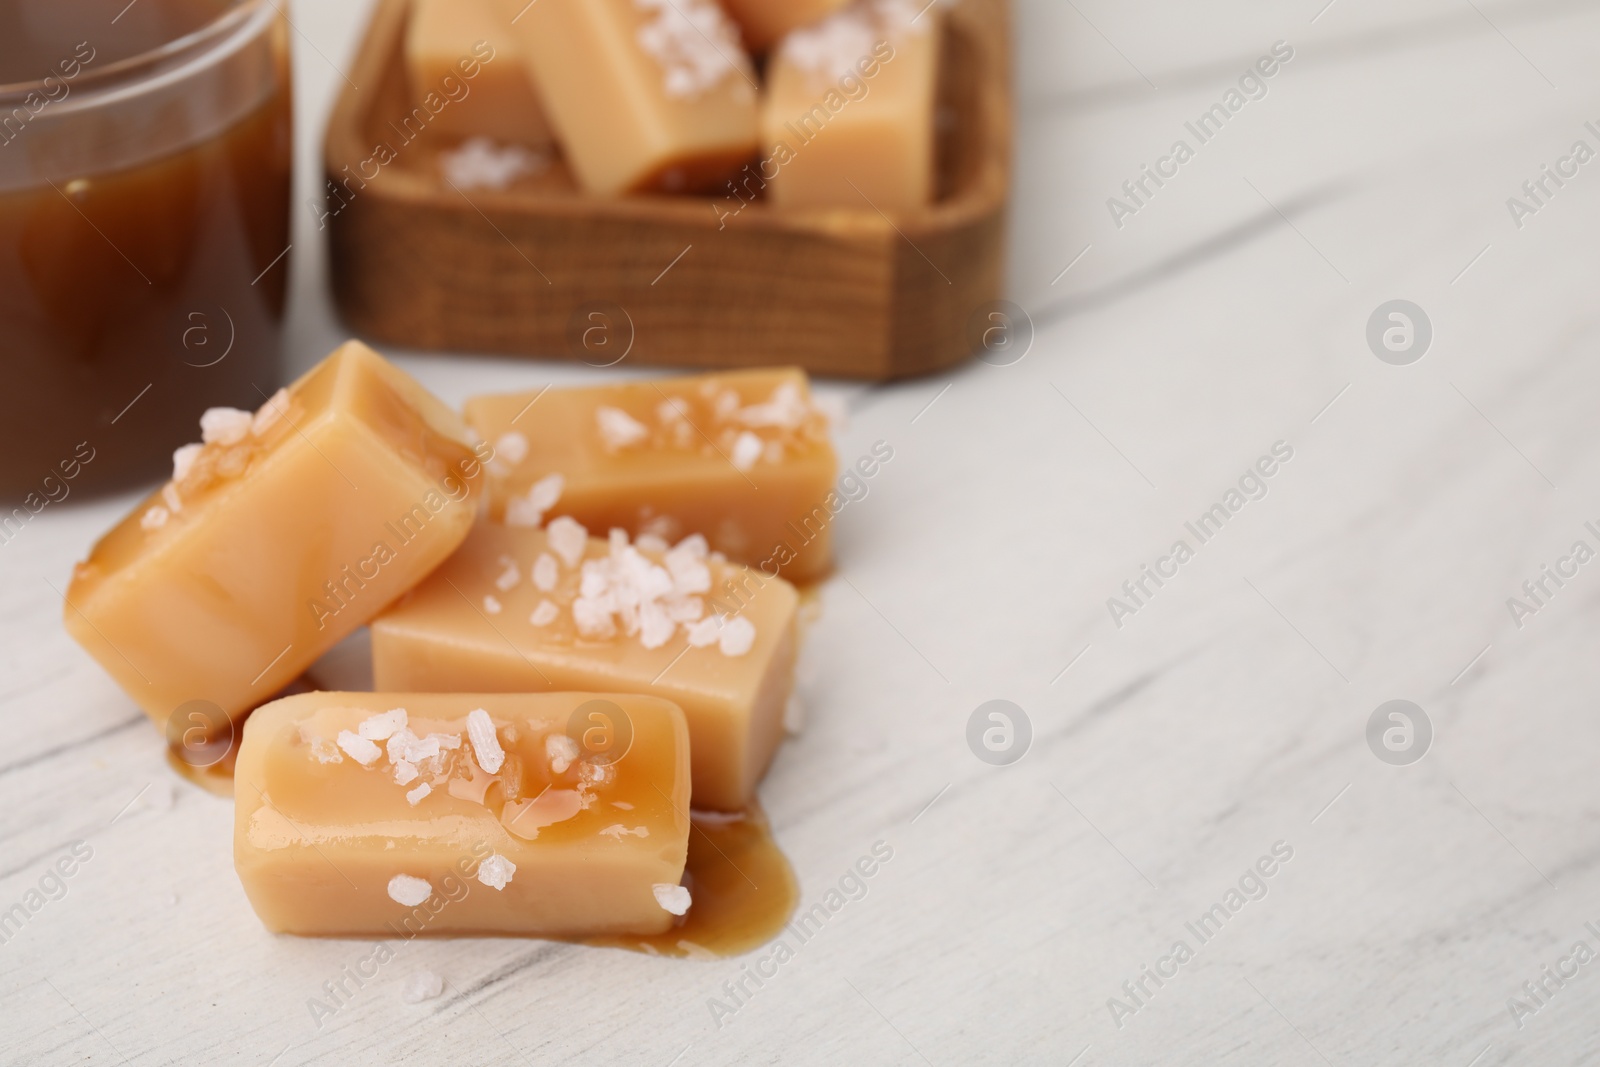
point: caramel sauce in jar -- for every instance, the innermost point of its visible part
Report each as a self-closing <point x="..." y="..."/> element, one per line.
<point x="145" y="162"/>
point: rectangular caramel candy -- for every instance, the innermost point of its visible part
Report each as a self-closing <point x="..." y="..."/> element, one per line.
<point x="399" y="814"/>
<point x="848" y="115"/>
<point x="280" y="534"/>
<point x="764" y="22"/>
<point x="742" y="458"/>
<point x="528" y="610"/>
<point x="644" y="94"/>
<point x="467" y="45"/>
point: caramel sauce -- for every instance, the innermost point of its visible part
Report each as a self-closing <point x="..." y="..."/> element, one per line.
<point x="743" y="888"/>
<point x="134" y="297"/>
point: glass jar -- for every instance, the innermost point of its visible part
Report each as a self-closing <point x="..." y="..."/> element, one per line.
<point x="145" y="159"/>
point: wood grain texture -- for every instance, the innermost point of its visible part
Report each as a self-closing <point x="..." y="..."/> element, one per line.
<point x="846" y="293"/>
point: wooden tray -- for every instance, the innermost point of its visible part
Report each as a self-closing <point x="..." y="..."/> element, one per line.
<point x="846" y="293"/>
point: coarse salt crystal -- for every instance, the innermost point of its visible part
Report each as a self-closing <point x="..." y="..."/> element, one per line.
<point x="410" y="890"/>
<point x="358" y="748"/>
<point x="593" y="617"/>
<point x="382" y="726"/>
<point x="691" y="40"/>
<point x="689" y="571"/>
<point x="545" y="614"/>
<point x="672" y="898"/>
<point x="510" y="575"/>
<point x="649" y="542"/>
<point x="512" y="446"/>
<point x="169" y="496"/>
<point x="618" y="429"/>
<point x="546" y="492"/>
<point x="405" y="772"/>
<point x="423" y="985"/>
<point x="155" y="518"/>
<point x="183" y="460"/>
<point x="491" y="604"/>
<point x="568" y="539"/>
<point x="496" y="871"/>
<point x="415" y="796"/>
<point x="269" y="413"/>
<point x="656" y="627"/>
<point x="737" y="637"/>
<point x="562" y="750"/>
<point x="225" y="426"/>
<point x="705" y="631"/>
<point x="485" y="745"/>
<point x="545" y="572"/>
<point x="480" y="163"/>
<point x="747" y="450"/>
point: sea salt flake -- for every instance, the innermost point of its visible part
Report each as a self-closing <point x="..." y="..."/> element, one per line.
<point x="544" y="614"/>
<point x="225" y="426"/>
<point x="382" y="726"/>
<point x="512" y="446"/>
<point x="649" y="542"/>
<point x="409" y="890"/>
<point x="746" y="450"/>
<point x="510" y="575"/>
<point x="358" y="748"/>
<point x="485" y="745"/>
<point x="737" y="637"/>
<point x="562" y="751"/>
<point x="672" y="898"/>
<point x="155" y="518"/>
<point x="546" y="572"/>
<point x="568" y="539"/>
<point x="481" y="163"/>
<point x="618" y="429"/>
<point x="415" y="796"/>
<point x="545" y="493"/>
<point x="491" y="604"/>
<point x="656" y="627"/>
<point x="705" y="631"/>
<point x="268" y="414"/>
<point x="496" y="871"/>
<point x="692" y="41"/>
<point x="593" y="617"/>
<point x="170" y="497"/>
<point x="421" y="986"/>
<point x="405" y="772"/>
<point x="183" y="461"/>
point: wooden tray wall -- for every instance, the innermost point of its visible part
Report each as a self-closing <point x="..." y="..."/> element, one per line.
<point x="846" y="293"/>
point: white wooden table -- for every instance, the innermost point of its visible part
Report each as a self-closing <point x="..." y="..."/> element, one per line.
<point x="1170" y="753"/>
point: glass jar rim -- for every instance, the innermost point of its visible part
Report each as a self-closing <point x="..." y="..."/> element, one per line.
<point x="152" y="62"/>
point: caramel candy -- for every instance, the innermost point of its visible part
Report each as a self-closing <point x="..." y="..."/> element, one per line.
<point x="742" y="458"/>
<point x="371" y="814"/>
<point x="526" y="610"/>
<point x="765" y="22"/>
<point x="278" y="536"/>
<point x="848" y="116"/>
<point x="644" y="94"/>
<point x="456" y="46"/>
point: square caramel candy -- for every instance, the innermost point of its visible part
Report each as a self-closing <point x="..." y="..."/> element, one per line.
<point x="765" y="22"/>
<point x="847" y="119"/>
<point x="528" y="610"/>
<point x="742" y="458"/>
<point x="644" y="95"/>
<point x="379" y="815"/>
<point x="465" y="53"/>
<point x="281" y="533"/>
